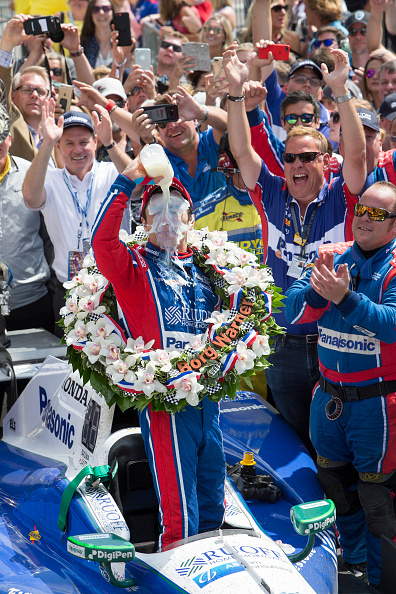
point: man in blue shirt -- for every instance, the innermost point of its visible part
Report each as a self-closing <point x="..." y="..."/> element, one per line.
<point x="299" y="212"/>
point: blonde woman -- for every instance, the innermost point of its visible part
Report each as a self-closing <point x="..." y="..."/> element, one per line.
<point x="217" y="33"/>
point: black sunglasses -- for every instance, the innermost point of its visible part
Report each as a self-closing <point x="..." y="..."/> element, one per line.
<point x="305" y="118"/>
<point x="375" y="214"/>
<point x="335" y="116"/>
<point x="354" y="32"/>
<point x="279" y="8"/>
<point x="56" y="71"/>
<point x="167" y="45"/>
<point x="304" y="157"/>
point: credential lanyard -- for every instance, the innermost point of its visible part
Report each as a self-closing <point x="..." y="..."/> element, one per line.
<point x="302" y="239"/>
<point x="80" y="208"/>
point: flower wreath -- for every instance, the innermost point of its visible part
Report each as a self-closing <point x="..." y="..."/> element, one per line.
<point x="131" y="373"/>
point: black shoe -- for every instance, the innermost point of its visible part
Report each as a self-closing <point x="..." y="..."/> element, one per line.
<point x="359" y="570"/>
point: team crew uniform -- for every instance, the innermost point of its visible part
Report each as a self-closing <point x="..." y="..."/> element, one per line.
<point x="185" y="449"/>
<point x="357" y="349"/>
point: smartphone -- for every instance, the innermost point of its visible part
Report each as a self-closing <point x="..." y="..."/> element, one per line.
<point x="218" y="72"/>
<point x="143" y="57"/>
<point x="65" y="96"/>
<point x="49" y="25"/>
<point x="279" y="51"/>
<point x="122" y="24"/>
<point x="165" y="112"/>
<point x="201" y="54"/>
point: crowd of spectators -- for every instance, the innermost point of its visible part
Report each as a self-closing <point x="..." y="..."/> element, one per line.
<point x="242" y="125"/>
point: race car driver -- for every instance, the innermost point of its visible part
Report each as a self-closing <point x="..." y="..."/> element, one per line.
<point x="164" y="297"/>
<point x="351" y="291"/>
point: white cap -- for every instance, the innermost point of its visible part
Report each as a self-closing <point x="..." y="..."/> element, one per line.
<point x="110" y="86"/>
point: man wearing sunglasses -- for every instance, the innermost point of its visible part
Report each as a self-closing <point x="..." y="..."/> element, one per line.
<point x="299" y="211"/>
<point x="356" y="24"/>
<point x="350" y="289"/>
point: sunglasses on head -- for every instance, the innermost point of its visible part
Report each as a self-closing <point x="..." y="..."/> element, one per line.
<point x="304" y="157"/>
<point x="305" y="118"/>
<point x="354" y="32"/>
<point x="370" y="73"/>
<point x="335" y="116"/>
<point x="105" y="9"/>
<point x="56" y="71"/>
<point x="279" y="8"/>
<point x="208" y="29"/>
<point x="375" y="214"/>
<point x="167" y="45"/>
<point x="325" y="42"/>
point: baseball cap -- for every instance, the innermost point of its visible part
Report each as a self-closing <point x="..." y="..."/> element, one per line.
<point x="359" y="16"/>
<point x="4" y="124"/>
<point x="175" y="185"/>
<point x="387" y="108"/>
<point x="110" y="86"/>
<point x="77" y="118"/>
<point x="368" y="118"/>
<point x="306" y="64"/>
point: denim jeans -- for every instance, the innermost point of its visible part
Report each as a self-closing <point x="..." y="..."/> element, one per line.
<point x="292" y="377"/>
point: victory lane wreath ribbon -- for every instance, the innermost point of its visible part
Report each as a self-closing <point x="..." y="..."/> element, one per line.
<point x="131" y="373"/>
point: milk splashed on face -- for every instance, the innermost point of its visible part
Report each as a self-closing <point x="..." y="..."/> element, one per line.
<point x="167" y="210"/>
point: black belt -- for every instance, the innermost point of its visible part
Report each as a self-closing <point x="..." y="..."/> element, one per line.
<point x="351" y="393"/>
<point x="308" y="338"/>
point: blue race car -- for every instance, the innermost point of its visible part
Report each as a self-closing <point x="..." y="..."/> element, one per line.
<point x="78" y="511"/>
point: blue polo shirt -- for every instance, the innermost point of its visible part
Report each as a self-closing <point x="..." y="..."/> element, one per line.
<point x="205" y="181"/>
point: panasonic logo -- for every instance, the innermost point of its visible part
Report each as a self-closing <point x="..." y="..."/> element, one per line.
<point x="348" y="343"/>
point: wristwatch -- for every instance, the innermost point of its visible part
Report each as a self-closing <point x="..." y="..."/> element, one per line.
<point x="343" y="98"/>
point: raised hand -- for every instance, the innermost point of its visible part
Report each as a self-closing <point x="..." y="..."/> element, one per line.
<point x="14" y="33"/>
<point x="255" y="94"/>
<point x="236" y="72"/>
<point x="189" y="108"/>
<point x="337" y="79"/>
<point x="51" y="130"/>
<point x="102" y="125"/>
<point x="71" y="40"/>
<point x="89" y="96"/>
<point x="143" y="126"/>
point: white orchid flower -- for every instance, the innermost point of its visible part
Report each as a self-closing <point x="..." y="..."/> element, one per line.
<point x="89" y="260"/>
<point x="102" y="329"/>
<point x="266" y="278"/>
<point x="137" y="345"/>
<point x="194" y="237"/>
<point x="113" y="354"/>
<point x="239" y="257"/>
<point x="119" y="371"/>
<point x="188" y="387"/>
<point x="261" y="346"/>
<point x="93" y="283"/>
<point x="236" y="279"/>
<point x="163" y="359"/>
<point x="77" y="279"/>
<point x="146" y="381"/>
<point x="218" y="238"/>
<point x="218" y="318"/>
<point x="93" y="351"/>
<point x="70" y="309"/>
<point x="217" y="257"/>
<point x="125" y="237"/>
<point x="90" y="305"/>
<point x="78" y="334"/>
<point x="245" y="358"/>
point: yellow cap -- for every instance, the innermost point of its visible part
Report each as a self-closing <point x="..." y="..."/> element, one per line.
<point x="248" y="459"/>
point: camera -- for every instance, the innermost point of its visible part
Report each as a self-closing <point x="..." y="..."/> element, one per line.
<point x="162" y="113"/>
<point x="46" y="25"/>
